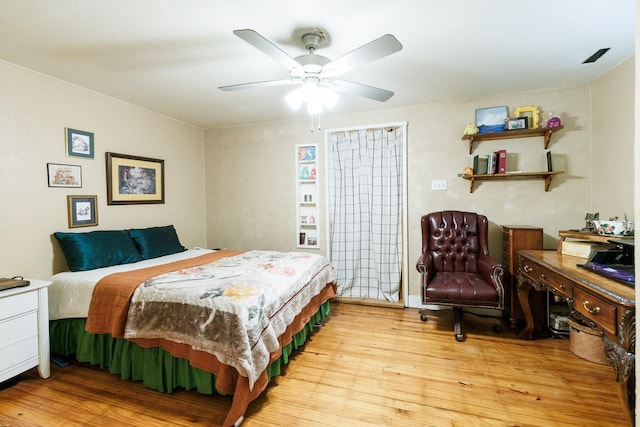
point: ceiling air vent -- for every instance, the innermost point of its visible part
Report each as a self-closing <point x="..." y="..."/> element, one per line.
<point x="596" y="56"/>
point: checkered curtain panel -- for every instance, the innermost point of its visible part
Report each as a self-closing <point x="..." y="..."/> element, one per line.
<point x="365" y="202"/>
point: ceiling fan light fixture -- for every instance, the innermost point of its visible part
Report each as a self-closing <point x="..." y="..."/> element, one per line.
<point x="317" y="97"/>
<point x="328" y="97"/>
<point x="294" y="99"/>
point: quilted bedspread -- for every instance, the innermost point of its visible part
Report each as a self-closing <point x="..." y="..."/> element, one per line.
<point x="234" y="308"/>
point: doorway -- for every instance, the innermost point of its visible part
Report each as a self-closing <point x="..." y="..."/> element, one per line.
<point x="367" y="208"/>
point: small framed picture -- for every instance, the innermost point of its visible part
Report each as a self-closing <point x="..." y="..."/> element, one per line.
<point x="82" y="211"/>
<point x="518" y="123"/>
<point x="79" y="143"/>
<point x="64" y="175"/>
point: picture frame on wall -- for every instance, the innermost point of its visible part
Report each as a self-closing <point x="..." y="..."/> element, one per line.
<point x="79" y="143"/>
<point x="82" y="211"/>
<point x="134" y="179"/>
<point x="69" y="176"/>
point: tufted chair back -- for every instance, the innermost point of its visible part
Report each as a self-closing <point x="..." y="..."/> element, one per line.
<point x="455" y="267"/>
<point x="455" y="239"/>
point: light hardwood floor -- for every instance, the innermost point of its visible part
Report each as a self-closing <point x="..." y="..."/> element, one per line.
<point x="367" y="366"/>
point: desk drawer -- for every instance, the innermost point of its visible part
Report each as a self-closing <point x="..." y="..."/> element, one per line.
<point x="539" y="274"/>
<point x="596" y="309"/>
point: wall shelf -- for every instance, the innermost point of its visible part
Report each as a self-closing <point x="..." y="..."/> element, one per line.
<point x="512" y="134"/>
<point x="307" y="193"/>
<point x="547" y="176"/>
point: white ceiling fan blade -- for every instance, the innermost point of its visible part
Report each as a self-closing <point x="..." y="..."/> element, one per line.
<point x="359" y="89"/>
<point x="266" y="83"/>
<point x="258" y="41"/>
<point x="376" y="49"/>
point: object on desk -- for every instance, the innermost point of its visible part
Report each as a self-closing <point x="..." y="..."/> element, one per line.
<point x="611" y="227"/>
<point x="14" y="282"/>
<point x="586" y="342"/>
<point x="616" y="263"/>
<point x="589" y="218"/>
<point x="582" y="248"/>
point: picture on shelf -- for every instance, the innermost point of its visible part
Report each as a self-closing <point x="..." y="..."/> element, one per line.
<point x="307" y="173"/>
<point x="491" y="119"/>
<point x="306" y="153"/>
<point x="518" y="123"/>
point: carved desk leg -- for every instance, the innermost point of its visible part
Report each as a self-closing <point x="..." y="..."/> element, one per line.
<point x="623" y="358"/>
<point x="524" y="287"/>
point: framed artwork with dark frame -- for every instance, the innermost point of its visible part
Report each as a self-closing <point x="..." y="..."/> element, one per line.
<point x="82" y="211"/>
<point x="69" y="176"/>
<point x="134" y="179"/>
<point x="518" y="123"/>
<point x="79" y="143"/>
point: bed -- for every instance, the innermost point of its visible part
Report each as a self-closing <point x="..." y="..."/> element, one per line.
<point x="140" y="304"/>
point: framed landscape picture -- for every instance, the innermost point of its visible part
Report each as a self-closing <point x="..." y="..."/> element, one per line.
<point x="134" y="179"/>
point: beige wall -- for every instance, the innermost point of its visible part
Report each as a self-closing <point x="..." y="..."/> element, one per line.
<point x="34" y="111"/>
<point x="246" y="180"/>
<point x="250" y="170"/>
<point x="612" y="149"/>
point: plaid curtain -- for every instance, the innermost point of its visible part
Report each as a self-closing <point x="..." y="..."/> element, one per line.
<point x="365" y="201"/>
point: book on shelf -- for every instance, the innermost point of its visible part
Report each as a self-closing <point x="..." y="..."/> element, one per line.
<point x="491" y="162"/>
<point x="501" y="161"/>
<point x="549" y="165"/>
<point x="479" y="165"/>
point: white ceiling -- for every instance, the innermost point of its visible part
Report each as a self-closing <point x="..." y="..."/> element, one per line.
<point x="170" y="56"/>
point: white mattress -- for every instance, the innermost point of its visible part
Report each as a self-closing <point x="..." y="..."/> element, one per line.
<point x="70" y="292"/>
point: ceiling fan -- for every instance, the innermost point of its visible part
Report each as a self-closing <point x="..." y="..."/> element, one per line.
<point x="317" y="73"/>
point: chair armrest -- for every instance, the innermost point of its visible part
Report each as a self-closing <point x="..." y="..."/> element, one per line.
<point x="424" y="266"/>
<point x="492" y="271"/>
<point x="424" y="263"/>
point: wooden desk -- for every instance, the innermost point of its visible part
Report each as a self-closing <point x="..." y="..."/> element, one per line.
<point x="602" y="303"/>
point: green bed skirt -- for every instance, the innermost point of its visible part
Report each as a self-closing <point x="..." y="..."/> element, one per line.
<point x="155" y="367"/>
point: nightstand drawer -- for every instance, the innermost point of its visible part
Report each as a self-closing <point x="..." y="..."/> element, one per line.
<point x="19" y="340"/>
<point x="596" y="309"/>
<point x="18" y="304"/>
<point x="18" y="328"/>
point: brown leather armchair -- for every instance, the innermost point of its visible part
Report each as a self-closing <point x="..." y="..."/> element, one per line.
<point x="455" y="267"/>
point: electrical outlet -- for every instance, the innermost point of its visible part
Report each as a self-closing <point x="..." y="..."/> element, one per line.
<point x="438" y="184"/>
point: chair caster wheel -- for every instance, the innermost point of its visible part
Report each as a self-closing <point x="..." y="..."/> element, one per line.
<point x="497" y="329"/>
<point x="423" y="317"/>
<point x="460" y="337"/>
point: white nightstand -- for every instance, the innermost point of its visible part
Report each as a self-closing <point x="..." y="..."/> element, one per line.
<point x="24" y="330"/>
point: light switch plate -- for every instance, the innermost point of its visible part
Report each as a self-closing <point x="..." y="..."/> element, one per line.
<point x="438" y="184"/>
